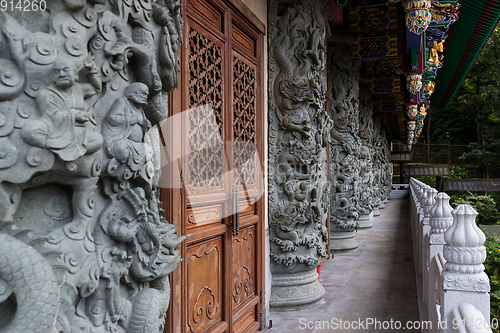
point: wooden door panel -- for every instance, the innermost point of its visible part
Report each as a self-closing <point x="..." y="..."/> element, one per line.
<point x="203" y="217"/>
<point x="208" y="12"/>
<point x="240" y="38"/>
<point x="243" y="270"/>
<point x="221" y="272"/>
<point x="245" y="255"/>
<point x="205" y="282"/>
<point x="247" y="323"/>
<point x="244" y="296"/>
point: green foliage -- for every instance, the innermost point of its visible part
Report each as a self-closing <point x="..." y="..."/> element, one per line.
<point x="492" y="269"/>
<point x="431" y="181"/>
<point x="457" y="172"/>
<point x="473" y="116"/>
<point x="483" y="204"/>
<point x="496" y="197"/>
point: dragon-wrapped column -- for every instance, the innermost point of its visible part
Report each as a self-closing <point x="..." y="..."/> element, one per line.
<point x="298" y="134"/>
<point x="343" y="86"/>
<point x="365" y="189"/>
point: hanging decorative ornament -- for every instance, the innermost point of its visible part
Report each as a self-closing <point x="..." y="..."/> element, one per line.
<point x="411" y="111"/>
<point x="418" y="15"/>
<point x="417" y="134"/>
<point x="411" y="135"/>
<point x="411" y="124"/>
<point x="414" y="83"/>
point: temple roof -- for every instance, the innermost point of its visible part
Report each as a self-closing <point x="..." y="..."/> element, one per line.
<point x="467" y="36"/>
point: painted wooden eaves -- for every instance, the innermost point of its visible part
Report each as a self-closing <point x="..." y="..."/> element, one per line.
<point x="466" y="39"/>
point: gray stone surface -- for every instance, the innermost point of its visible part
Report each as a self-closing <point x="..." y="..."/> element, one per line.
<point x="298" y="134"/>
<point x="376" y="280"/>
<point x="365" y="191"/>
<point x="463" y="277"/>
<point x="382" y="168"/>
<point x="83" y="244"/>
<point x="345" y="144"/>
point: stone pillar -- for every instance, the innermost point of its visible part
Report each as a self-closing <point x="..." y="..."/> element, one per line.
<point x="84" y="246"/>
<point x="387" y="169"/>
<point x="298" y="134"/>
<point x="377" y="165"/>
<point x="365" y="189"/>
<point x="343" y="85"/>
<point x="425" y="227"/>
<point x="440" y="220"/>
<point x="464" y="279"/>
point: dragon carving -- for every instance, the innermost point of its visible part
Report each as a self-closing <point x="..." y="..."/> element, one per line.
<point x="299" y="133"/>
<point x="84" y="246"/>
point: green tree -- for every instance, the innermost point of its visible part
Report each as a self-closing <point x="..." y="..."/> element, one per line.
<point x="473" y="116"/>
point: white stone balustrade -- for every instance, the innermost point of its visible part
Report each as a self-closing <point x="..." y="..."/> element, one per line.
<point x="449" y="254"/>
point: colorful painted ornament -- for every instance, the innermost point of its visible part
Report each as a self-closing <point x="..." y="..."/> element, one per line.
<point x="411" y="135"/>
<point x="414" y="83"/>
<point x="411" y="124"/>
<point x="418" y="15"/>
<point x="411" y="111"/>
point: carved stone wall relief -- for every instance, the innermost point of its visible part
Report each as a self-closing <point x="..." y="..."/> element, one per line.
<point x="79" y="166"/>
<point x="298" y="134"/>
<point x="343" y="85"/>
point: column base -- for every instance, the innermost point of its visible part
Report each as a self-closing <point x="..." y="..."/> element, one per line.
<point x="376" y="211"/>
<point x="365" y="221"/>
<point x="382" y="206"/>
<point x="340" y="241"/>
<point x="386" y="200"/>
<point x="295" y="291"/>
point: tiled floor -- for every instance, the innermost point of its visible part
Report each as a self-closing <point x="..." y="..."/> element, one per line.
<point x="372" y="284"/>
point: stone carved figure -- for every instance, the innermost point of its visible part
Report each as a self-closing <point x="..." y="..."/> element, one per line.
<point x="299" y="130"/>
<point x="79" y="203"/>
<point x="123" y="129"/>
<point x="62" y="127"/>
<point x="343" y="79"/>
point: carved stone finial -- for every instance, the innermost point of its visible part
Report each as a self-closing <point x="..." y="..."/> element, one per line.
<point x="422" y="197"/>
<point x="441" y="218"/>
<point x="430" y="200"/>
<point x="464" y="253"/>
<point x="464" y="232"/>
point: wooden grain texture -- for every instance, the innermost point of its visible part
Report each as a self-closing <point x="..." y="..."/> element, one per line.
<point x="217" y="287"/>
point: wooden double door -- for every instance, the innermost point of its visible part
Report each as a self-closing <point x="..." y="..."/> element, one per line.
<point x="217" y="287"/>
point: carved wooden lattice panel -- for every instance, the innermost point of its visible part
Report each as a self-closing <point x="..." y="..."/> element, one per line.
<point x="206" y="92"/>
<point x="244" y="120"/>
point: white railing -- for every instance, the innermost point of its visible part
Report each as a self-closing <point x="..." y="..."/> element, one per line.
<point x="449" y="254"/>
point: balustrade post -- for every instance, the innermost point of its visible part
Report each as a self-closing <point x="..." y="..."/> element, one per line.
<point x="440" y="220"/>
<point x="463" y="278"/>
<point x="420" y="219"/>
<point x="429" y="202"/>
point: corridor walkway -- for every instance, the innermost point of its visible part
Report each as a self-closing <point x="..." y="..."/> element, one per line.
<point x="371" y="284"/>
